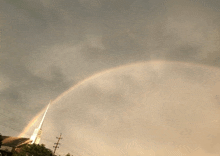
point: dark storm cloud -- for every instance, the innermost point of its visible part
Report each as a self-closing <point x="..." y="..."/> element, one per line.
<point x="21" y="35"/>
<point x="24" y="81"/>
<point x="169" y="35"/>
<point x="32" y="9"/>
<point x="29" y="92"/>
<point x="23" y="28"/>
<point x="137" y="33"/>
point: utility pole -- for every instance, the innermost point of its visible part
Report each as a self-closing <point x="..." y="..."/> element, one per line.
<point x="57" y="143"/>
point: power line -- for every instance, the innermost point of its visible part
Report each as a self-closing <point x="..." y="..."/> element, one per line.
<point x="57" y="143"/>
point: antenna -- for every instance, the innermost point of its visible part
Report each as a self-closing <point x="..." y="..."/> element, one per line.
<point x="57" y="143"/>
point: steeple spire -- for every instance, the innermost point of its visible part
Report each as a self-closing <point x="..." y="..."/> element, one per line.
<point x="42" y="121"/>
<point x="36" y="136"/>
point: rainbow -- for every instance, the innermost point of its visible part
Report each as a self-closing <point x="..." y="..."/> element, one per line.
<point x="153" y="63"/>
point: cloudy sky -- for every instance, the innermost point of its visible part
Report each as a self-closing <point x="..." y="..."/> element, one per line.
<point x="103" y="47"/>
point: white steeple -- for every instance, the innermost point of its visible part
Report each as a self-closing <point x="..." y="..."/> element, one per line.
<point x="36" y="136"/>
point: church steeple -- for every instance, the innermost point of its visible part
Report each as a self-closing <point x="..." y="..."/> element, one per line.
<point x="36" y="136"/>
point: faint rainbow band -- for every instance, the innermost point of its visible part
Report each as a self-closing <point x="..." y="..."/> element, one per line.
<point x="154" y="63"/>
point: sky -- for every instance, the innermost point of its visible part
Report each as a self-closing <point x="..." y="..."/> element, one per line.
<point x="109" y="50"/>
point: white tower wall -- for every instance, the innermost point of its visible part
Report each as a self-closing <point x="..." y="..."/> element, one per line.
<point x="36" y="136"/>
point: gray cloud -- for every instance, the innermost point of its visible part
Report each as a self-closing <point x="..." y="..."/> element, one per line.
<point x="48" y="46"/>
<point x="152" y="105"/>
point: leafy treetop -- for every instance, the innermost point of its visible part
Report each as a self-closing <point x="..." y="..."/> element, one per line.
<point x="33" y="150"/>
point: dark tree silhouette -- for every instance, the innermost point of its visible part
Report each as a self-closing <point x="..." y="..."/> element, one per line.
<point x="1" y="140"/>
<point x="33" y="150"/>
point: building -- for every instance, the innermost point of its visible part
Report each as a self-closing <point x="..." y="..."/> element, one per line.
<point x="10" y="144"/>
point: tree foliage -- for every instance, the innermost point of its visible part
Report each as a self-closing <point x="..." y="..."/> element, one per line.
<point x="33" y="150"/>
<point x="1" y="140"/>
